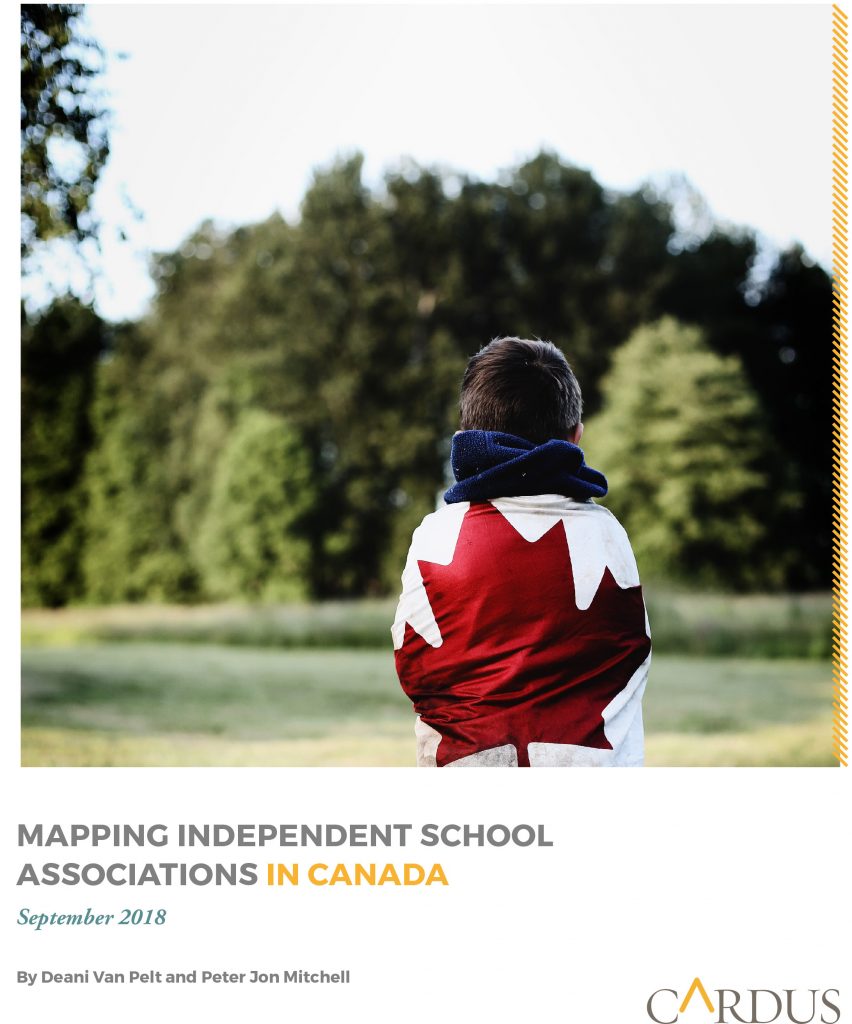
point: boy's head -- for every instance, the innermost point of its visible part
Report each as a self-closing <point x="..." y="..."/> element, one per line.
<point x="524" y="388"/>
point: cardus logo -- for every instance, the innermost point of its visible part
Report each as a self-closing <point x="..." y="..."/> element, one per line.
<point x="750" y="1006"/>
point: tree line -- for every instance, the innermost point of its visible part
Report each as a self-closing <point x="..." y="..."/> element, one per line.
<point x="279" y="421"/>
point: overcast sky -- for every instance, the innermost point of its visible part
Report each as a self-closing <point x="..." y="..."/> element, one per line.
<point x="222" y="112"/>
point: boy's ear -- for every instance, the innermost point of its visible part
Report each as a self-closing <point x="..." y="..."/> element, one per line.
<point x="578" y="433"/>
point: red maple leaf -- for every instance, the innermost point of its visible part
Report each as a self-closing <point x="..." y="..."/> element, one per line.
<point x="519" y="662"/>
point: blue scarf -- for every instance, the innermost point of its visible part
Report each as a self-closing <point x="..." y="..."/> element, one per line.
<point x="488" y="464"/>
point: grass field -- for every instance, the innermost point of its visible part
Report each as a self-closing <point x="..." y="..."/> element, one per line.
<point x="176" y="703"/>
<point x="704" y="625"/>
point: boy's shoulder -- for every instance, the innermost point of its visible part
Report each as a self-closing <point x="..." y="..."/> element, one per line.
<point x="531" y="515"/>
<point x="596" y="539"/>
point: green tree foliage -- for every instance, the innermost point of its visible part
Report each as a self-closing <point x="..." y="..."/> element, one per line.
<point x="320" y="325"/>
<point x="789" y="363"/>
<point x="133" y="552"/>
<point x="546" y="252"/>
<point x="64" y="141"/>
<point x="252" y="539"/>
<point x="353" y="326"/>
<point x="59" y="352"/>
<point x="689" y="460"/>
<point x="781" y="332"/>
<point x="366" y="343"/>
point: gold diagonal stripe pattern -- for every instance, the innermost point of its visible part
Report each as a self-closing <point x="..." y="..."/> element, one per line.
<point x="840" y="333"/>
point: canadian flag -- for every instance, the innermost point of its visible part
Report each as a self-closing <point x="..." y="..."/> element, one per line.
<point x="521" y="636"/>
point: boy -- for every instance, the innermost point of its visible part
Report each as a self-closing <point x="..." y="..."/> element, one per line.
<point x="521" y="635"/>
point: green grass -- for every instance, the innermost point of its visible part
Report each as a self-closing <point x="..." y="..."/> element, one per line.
<point x="199" y="704"/>
<point x="704" y="625"/>
<point x="340" y="624"/>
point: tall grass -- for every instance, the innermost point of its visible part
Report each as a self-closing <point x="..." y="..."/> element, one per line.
<point x="701" y="625"/>
<point x="746" y="626"/>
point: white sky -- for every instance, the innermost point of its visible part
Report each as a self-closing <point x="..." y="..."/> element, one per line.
<point x="223" y="111"/>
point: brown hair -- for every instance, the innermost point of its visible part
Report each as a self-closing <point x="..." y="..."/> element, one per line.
<point x="521" y="387"/>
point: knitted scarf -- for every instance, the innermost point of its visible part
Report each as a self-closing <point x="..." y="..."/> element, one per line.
<point x="488" y="464"/>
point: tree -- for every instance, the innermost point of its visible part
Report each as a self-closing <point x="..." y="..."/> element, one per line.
<point x="789" y="361"/>
<point x="252" y="540"/>
<point x="132" y="552"/>
<point x="368" y="370"/>
<point x="64" y="140"/>
<point x="689" y="460"/>
<point x="528" y="259"/>
<point x="59" y="353"/>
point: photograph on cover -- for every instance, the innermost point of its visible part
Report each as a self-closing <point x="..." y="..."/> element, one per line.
<point x="528" y="308"/>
